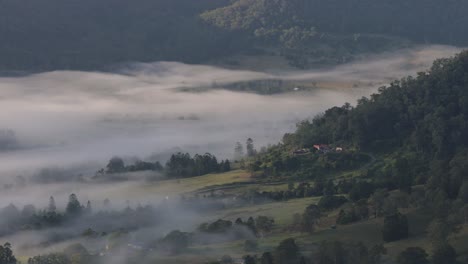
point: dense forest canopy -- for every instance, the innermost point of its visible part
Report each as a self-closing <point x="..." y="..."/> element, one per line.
<point x="51" y="34"/>
<point x="420" y="20"/>
<point x="416" y="130"/>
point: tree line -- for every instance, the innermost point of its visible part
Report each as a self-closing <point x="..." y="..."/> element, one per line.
<point x="179" y="165"/>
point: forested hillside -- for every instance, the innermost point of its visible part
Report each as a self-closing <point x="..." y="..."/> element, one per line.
<point x="415" y="131"/>
<point x="51" y="34"/>
<point x="419" y="20"/>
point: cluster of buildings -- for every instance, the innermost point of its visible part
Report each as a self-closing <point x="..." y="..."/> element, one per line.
<point x="319" y="148"/>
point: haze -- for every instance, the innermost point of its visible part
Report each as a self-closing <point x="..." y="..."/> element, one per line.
<point x="65" y="118"/>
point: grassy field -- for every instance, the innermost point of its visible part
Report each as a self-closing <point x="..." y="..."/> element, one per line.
<point x="239" y="181"/>
<point x="188" y="185"/>
<point x="282" y="212"/>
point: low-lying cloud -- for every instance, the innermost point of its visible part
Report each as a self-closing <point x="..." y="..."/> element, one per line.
<point x="59" y="126"/>
<point x="63" y="118"/>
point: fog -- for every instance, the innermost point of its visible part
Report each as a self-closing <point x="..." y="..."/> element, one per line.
<point x="72" y="123"/>
<point x="64" y="118"/>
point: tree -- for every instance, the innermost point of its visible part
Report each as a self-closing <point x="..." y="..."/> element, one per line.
<point x="377" y="201"/>
<point x="264" y="224"/>
<point x="238" y="151"/>
<point x="51" y="207"/>
<point x="49" y="259"/>
<point x="310" y="217"/>
<point x="250" y="148"/>
<point x="375" y="254"/>
<point x="175" y="242"/>
<point x="438" y="231"/>
<point x="267" y="258"/>
<point x="332" y="252"/>
<point x="403" y="175"/>
<point x="6" y="254"/>
<point x="249" y="259"/>
<point x="226" y="166"/>
<point x="115" y="165"/>
<point x="413" y="255"/>
<point x="287" y="252"/>
<point x="73" y="207"/>
<point x="395" y="227"/>
<point x="329" y="189"/>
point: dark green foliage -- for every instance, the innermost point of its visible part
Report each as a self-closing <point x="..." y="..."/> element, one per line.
<point x="395" y="227"/>
<point x="419" y="124"/>
<point x="6" y="254"/>
<point x="265" y="18"/>
<point x="267" y="258"/>
<point x="354" y="213"/>
<point x="73" y="207"/>
<point x="219" y="226"/>
<point x="238" y="151"/>
<point x="267" y="87"/>
<point x="310" y="218"/>
<point x="413" y="255"/>
<point x="145" y="166"/>
<point x="249" y="259"/>
<point x="375" y="254"/>
<point x="272" y="23"/>
<point x="287" y="252"/>
<point x="51" y="207"/>
<point x="49" y="259"/>
<point x="175" y="242"/>
<point x="330" y="202"/>
<point x="115" y="165"/>
<point x="225" y="166"/>
<point x="444" y="254"/>
<point x="337" y="252"/>
<point x="264" y="224"/>
<point x="250" y="148"/>
<point x="403" y="174"/>
<point x="182" y="165"/>
<point x="251" y="225"/>
<point x="438" y="232"/>
<point x="361" y="190"/>
<point x="463" y="194"/>
<point x="279" y="160"/>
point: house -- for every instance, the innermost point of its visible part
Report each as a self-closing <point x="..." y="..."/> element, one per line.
<point x="322" y="148"/>
<point x="339" y="149"/>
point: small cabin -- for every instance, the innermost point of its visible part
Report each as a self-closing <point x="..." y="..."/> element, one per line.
<point x="322" y="148"/>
